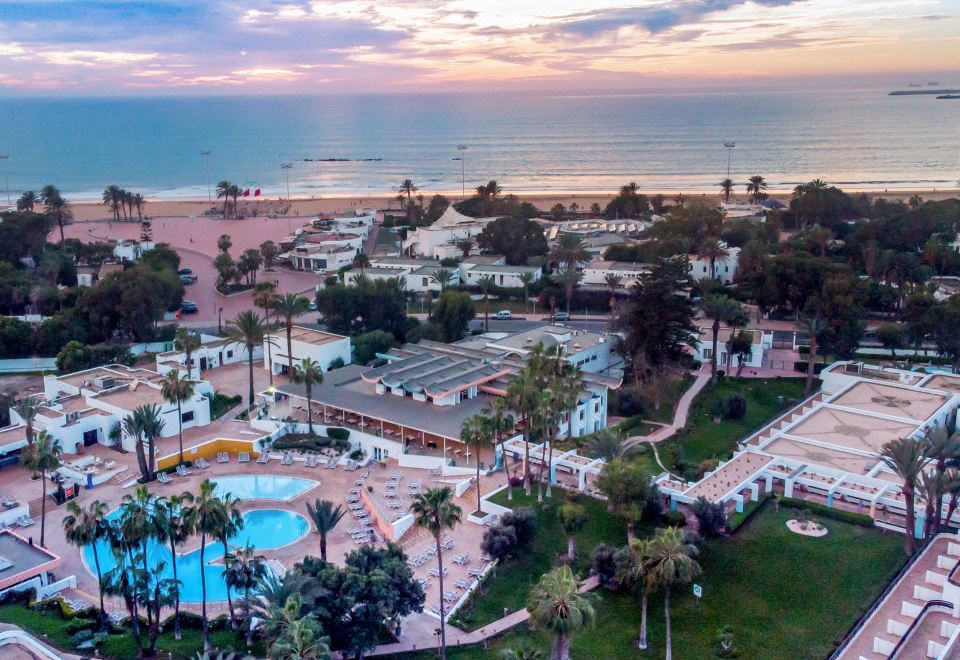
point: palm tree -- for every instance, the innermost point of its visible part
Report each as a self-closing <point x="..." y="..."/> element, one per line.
<point x="720" y="308"/>
<point x="613" y="282"/>
<point x="407" y="188"/>
<point x="435" y="512"/>
<point x="568" y="278"/>
<point x="713" y="250"/>
<point x="931" y="488"/>
<point x="42" y="457"/>
<point x="476" y="432"/>
<point x="726" y="189"/>
<point x="151" y="425"/>
<point x="557" y="605"/>
<point x="570" y="250"/>
<point x="297" y="637"/>
<point x="138" y="201"/>
<point x="500" y="422"/>
<point x="522" y="397"/>
<point x="175" y="515"/>
<point x="224" y="192"/>
<point x="28" y="200"/>
<point x="942" y="447"/>
<point x="526" y="279"/>
<point x="671" y="561"/>
<point x="112" y="196"/>
<point x="573" y="518"/>
<point x="361" y="261"/>
<point x="608" y="444"/>
<point x="177" y="390"/>
<point x="906" y="458"/>
<point x="325" y="516"/>
<point x="27" y="409"/>
<point x="486" y="282"/>
<point x="813" y="327"/>
<point x="288" y="307"/>
<point x="133" y="426"/>
<point x="224" y="243"/>
<point x="637" y="575"/>
<point x="465" y="245"/>
<point x="493" y="189"/>
<point x="247" y="328"/>
<point x="229" y="522"/>
<point x="207" y="508"/>
<point x="83" y="527"/>
<point x="55" y="206"/>
<point x="244" y="569"/>
<point x="756" y="189"/>
<point x="360" y="281"/>
<point x="188" y="342"/>
<point x="441" y="276"/>
<point x="308" y="374"/>
<point x="520" y="651"/>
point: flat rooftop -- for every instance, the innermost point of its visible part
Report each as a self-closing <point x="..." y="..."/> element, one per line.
<point x="944" y="382"/>
<point x="345" y="388"/>
<point x="836" y="459"/>
<point x="550" y="335"/>
<point x="850" y="430"/>
<point x="21" y="556"/>
<point x="311" y="336"/>
<point x="87" y="379"/>
<point x="129" y="398"/>
<point x="911" y="403"/>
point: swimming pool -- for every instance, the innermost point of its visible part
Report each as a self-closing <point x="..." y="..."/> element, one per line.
<point x="264" y="529"/>
<point x="262" y="486"/>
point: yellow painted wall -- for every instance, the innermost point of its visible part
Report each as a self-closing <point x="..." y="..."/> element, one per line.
<point x="207" y="450"/>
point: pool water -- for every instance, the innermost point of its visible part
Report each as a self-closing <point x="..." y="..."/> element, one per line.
<point x="264" y="529"/>
<point x="262" y="487"/>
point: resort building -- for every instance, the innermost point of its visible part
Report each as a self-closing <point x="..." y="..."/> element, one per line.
<point x="591" y="352"/>
<point x="596" y="272"/>
<point x="213" y="352"/>
<point x="416" y="274"/>
<point x="594" y="226"/>
<point x="412" y="407"/>
<point x="90" y="275"/>
<point x="24" y="565"/>
<point x="724" y="269"/>
<point x="129" y="250"/>
<point x="438" y="241"/>
<point x="827" y="448"/>
<point x="319" y="257"/>
<point x="324" y="348"/>
<point x="86" y="407"/>
<point x="760" y="341"/>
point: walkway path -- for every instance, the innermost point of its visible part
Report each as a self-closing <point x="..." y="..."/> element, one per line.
<point x="679" y="417"/>
<point x="420" y="637"/>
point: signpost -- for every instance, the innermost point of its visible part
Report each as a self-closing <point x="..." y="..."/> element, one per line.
<point x="698" y="592"/>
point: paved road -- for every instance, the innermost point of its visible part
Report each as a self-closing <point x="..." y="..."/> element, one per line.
<point x="518" y="324"/>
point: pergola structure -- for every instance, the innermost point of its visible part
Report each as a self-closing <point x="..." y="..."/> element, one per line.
<point x="568" y="461"/>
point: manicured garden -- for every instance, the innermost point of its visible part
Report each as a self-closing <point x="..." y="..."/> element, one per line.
<point x="784" y="595"/>
<point x="221" y="404"/>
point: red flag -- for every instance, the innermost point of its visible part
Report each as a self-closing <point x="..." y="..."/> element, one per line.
<point x="256" y="193"/>
<point x="246" y="193"/>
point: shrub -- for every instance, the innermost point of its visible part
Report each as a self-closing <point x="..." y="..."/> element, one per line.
<point x="627" y="402"/>
<point x="499" y="541"/>
<point x="524" y="522"/>
<point x="712" y="517"/>
<point x="603" y="564"/>
<point x="860" y="519"/>
<point x="308" y="442"/>
<point x="336" y="363"/>
<point x="75" y="625"/>
<point x="736" y="406"/>
<point x="357" y="454"/>
<point x="338" y="433"/>
<point x="674" y="519"/>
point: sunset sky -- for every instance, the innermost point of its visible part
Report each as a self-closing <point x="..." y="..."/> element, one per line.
<point x="263" y="46"/>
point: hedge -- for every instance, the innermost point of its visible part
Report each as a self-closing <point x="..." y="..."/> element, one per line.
<point x="338" y="433"/>
<point x="675" y="519"/>
<point x="309" y="443"/>
<point x="860" y="519"/>
<point x="739" y="518"/>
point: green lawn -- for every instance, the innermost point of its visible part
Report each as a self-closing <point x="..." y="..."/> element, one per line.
<point x="508" y="588"/>
<point x="786" y="596"/>
<point x="50" y="626"/>
<point x="221" y="404"/>
<point x="671" y="395"/>
<point x="704" y="439"/>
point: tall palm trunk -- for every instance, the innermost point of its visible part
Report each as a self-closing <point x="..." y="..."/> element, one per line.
<point x="561" y="648"/>
<point x="478" y="481"/>
<point x="203" y="591"/>
<point x="233" y="618"/>
<point x="141" y="458"/>
<point x="152" y="448"/>
<point x="666" y="613"/>
<point x="103" y="611"/>
<point x="289" y="347"/>
<point x="310" y="406"/>
<point x="550" y="469"/>
<point x="909" y="539"/>
<point x="43" y="507"/>
<point x="176" y="597"/>
<point x="180" y="422"/>
<point x="250" y="369"/>
<point x="443" y="622"/>
<point x="526" y="459"/>
<point x="642" y="644"/>
<point x="569" y="299"/>
<point x="131" y="604"/>
<point x="713" y="355"/>
<point x="811" y="363"/>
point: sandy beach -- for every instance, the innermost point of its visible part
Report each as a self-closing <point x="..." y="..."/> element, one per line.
<point x="163" y="207"/>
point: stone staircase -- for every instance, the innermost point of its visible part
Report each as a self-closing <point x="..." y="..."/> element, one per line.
<point x="36" y="508"/>
<point x="923" y="583"/>
<point x="785" y="420"/>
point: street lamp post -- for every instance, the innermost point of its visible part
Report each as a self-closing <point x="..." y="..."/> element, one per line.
<point x="6" y="180"/>
<point x="463" y="170"/>
<point x="729" y="147"/>
<point x="205" y="155"/>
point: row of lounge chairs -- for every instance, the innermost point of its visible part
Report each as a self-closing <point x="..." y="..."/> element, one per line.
<point x="22" y="521"/>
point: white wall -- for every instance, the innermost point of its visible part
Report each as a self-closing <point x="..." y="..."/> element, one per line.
<point x="322" y="354"/>
<point x="509" y="280"/>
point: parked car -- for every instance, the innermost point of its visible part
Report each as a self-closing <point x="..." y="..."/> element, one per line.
<point x="313" y="305"/>
<point x="185" y="271"/>
<point x="561" y="316"/>
<point x="189" y="307"/>
<point x="188" y="279"/>
<point x="503" y="314"/>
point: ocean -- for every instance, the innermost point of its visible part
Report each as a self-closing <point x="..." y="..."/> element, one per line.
<point x="367" y="144"/>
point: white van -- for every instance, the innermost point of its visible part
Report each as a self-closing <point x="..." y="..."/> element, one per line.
<point x="503" y="314"/>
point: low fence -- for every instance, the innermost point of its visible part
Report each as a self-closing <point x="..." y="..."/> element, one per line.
<point x="28" y="365"/>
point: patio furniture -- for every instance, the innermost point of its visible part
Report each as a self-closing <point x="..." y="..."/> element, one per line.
<point x="25" y="521"/>
<point x="365" y="475"/>
<point x="425" y="582"/>
<point x="436" y="610"/>
<point x="450" y="597"/>
<point x="358" y="482"/>
<point x="183" y="471"/>
<point x="264" y="457"/>
<point x="223" y="457"/>
<point x="395" y="504"/>
<point x="399" y="514"/>
<point x="164" y="478"/>
<point x="287" y="459"/>
<point x="332" y="464"/>
<point x="436" y="472"/>
<point x="436" y="573"/>
<point x="117" y="617"/>
<point x="486" y="558"/>
<point x="311" y="462"/>
<point x="475" y="572"/>
<point x="463" y="560"/>
<point x="201" y="463"/>
<point x="491" y="520"/>
<point x="244" y="457"/>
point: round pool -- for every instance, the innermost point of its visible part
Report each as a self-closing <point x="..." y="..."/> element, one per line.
<point x="264" y="529"/>
<point x="262" y="486"/>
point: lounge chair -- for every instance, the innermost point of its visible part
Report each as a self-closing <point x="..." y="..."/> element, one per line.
<point x="244" y="457"/>
<point x="4" y="526"/>
<point x="201" y="463"/>
<point x="311" y="462"/>
<point x="164" y="478"/>
<point x="183" y="471"/>
<point x="264" y="457"/>
<point x="287" y="459"/>
<point x="475" y="572"/>
<point x="464" y="583"/>
<point x="463" y="560"/>
<point x="117" y="617"/>
<point x="25" y="521"/>
<point x="223" y="457"/>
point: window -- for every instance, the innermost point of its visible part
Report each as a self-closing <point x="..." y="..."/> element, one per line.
<point x="581" y="415"/>
<point x="229" y="354"/>
<point x="187" y="416"/>
<point x="707" y="353"/>
<point x="425" y="281"/>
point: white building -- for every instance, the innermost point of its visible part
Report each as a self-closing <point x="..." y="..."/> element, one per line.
<point x="703" y="349"/>
<point x="591" y="352"/>
<point x="596" y="226"/>
<point x="416" y="274"/>
<point x="438" y="241"/>
<point x="503" y="276"/>
<point x="595" y="272"/>
<point x="724" y="269"/>
<point x="322" y="347"/>
<point x="128" y="250"/>
<point x="84" y="408"/>
<point x="326" y="258"/>
<point x="213" y="352"/>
